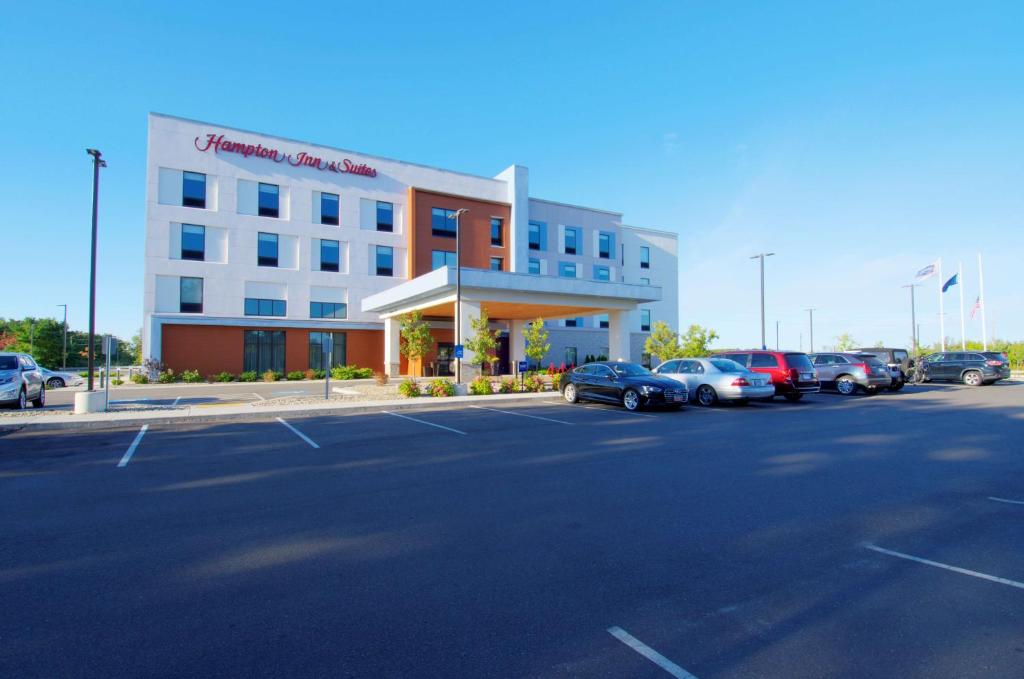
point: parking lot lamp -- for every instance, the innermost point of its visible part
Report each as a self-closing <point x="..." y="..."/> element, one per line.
<point x="761" y="256"/>
<point x="64" y="353"/>
<point x="458" y="292"/>
<point x="913" y="316"/>
<point x="97" y="163"/>
<point x="811" y="314"/>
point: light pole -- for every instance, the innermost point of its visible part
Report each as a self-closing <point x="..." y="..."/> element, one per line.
<point x="811" y="313"/>
<point x="64" y="355"/>
<point x="458" y="293"/>
<point x="97" y="163"/>
<point x="913" y="316"/>
<point x="761" y="256"/>
<point x="776" y="336"/>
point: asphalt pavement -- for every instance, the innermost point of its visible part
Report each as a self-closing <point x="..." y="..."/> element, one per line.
<point x="194" y="394"/>
<point x="869" y="536"/>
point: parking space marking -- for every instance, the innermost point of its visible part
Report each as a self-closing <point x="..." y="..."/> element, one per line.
<point x="535" y="417"/>
<point x="258" y="396"/>
<point x="298" y="433"/>
<point x="603" y="410"/>
<point x="439" y="426"/>
<point x="176" y="401"/>
<point x="649" y="653"/>
<point x="131" y="449"/>
<point x="955" y="569"/>
<point x="1003" y="499"/>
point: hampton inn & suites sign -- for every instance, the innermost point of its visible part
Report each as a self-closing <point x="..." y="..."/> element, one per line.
<point x="218" y="144"/>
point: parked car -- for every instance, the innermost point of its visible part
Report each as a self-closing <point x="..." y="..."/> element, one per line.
<point x="709" y="380"/>
<point x="21" y="381"/>
<point x="56" y="379"/>
<point x="627" y="384"/>
<point x="849" y="373"/>
<point x="897" y="360"/>
<point x="973" y="368"/>
<point x="791" y="371"/>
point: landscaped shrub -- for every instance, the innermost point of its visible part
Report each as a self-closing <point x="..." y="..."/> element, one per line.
<point x="84" y="373"/>
<point x="271" y="376"/>
<point x="556" y="381"/>
<point x="439" y="386"/>
<point x="350" y="372"/>
<point x="295" y="375"/>
<point x="381" y="378"/>
<point x="139" y="378"/>
<point x="224" y="377"/>
<point x="508" y="386"/>
<point x="533" y="383"/>
<point x="480" y="386"/>
<point x="310" y="374"/>
<point x="319" y="374"/>
<point x="192" y="376"/>
<point x="167" y="377"/>
<point x="408" y="388"/>
<point x="248" y="376"/>
<point x="117" y="381"/>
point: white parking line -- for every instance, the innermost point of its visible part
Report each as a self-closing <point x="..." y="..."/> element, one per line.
<point x="298" y="433"/>
<point x="534" y="417"/>
<point x="131" y="449"/>
<point x="439" y="426"/>
<point x="258" y="396"/>
<point x="649" y="653"/>
<point x="955" y="569"/>
<point x="604" y="410"/>
<point x="176" y="401"/>
<point x="1003" y="499"/>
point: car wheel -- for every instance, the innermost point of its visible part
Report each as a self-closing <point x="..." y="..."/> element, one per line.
<point x="793" y="398"/>
<point x="846" y="386"/>
<point x="972" y="378"/>
<point x="570" y="393"/>
<point x="55" y="383"/>
<point x="897" y="386"/>
<point x="41" y="401"/>
<point x="631" y="400"/>
<point x="21" y="403"/>
<point x="706" y="395"/>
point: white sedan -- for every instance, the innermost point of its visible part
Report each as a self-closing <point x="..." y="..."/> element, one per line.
<point x="712" y="379"/>
<point x="55" y="379"/>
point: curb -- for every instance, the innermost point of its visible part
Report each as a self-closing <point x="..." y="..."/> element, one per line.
<point x="187" y="416"/>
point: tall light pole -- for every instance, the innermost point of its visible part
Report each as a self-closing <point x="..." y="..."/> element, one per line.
<point x="458" y="292"/>
<point x="913" y="316"/>
<point x="776" y="336"/>
<point x="64" y="355"/>
<point x="97" y="163"/>
<point x="811" y="315"/>
<point x="761" y="256"/>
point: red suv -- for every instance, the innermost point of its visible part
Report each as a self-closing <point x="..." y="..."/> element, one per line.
<point x="792" y="372"/>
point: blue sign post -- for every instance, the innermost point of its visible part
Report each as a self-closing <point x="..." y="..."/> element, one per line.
<point x="523" y="367"/>
<point x="459" y="351"/>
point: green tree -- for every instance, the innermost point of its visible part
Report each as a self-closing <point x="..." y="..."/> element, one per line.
<point x="135" y="348"/>
<point x="663" y="342"/>
<point x="484" y="341"/>
<point x="41" y="337"/>
<point x="697" y="341"/>
<point x="537" y="345"/>
<point x="416" y="340"/>
<point x="845" y="342"/>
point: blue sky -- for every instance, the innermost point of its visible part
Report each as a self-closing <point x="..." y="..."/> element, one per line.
<point x="859" y="141"/>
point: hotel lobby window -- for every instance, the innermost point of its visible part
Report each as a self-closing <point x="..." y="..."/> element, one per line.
<point x="269" y="200"/>
<point x="329" y="209"/>
<point x="193" y="189"/>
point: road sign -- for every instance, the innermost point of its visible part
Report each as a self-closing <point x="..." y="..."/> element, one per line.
<point x="459" y="351"/>
<point x="523" y="366"/>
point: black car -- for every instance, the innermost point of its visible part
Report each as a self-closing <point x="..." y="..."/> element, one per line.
<point x="898" y="361"/>
<point x="973" y="368"/>
<point x="626" y="384"/>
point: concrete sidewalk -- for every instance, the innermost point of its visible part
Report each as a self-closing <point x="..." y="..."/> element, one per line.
<point x="215" y="413"/>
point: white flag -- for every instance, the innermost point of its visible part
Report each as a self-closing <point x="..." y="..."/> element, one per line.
<point x="927" y="272"/>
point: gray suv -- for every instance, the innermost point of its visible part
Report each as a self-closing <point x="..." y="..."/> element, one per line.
<point x="21" y="381"/>
<point x="849" y="373"/>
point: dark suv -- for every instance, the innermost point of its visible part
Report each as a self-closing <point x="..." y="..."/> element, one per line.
<point x="898" y="361"/>
<point x="973" y="368"/>
<point x="791" y="371"/>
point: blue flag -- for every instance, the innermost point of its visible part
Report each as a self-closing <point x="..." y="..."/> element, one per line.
<point x="951" y="282"/>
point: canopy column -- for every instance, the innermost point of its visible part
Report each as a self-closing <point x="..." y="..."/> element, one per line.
<point x="392" y="336"/>
<point x="618" y="335"/>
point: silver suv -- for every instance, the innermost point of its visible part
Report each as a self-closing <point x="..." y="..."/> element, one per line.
<point x="21" y="381"/>
<point x="848" y="373"/>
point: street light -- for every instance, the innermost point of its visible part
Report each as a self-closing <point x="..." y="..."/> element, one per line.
<point x="913" y="316"/>
<point x="811" y="313"/>
<point x="777" y="336"/>
<point x="761" y="257"/>
<point x="97" y="163"/>
<point x="458" y="292"/>
<point x="64" y="355"/>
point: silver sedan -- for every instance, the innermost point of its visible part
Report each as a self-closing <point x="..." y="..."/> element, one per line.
<point x="55" y="379"/>
<point x="712" y="379"/>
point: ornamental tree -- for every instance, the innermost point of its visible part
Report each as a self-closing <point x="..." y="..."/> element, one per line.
<point x="696" y="341"/>
<point x="484" y="341"/>
<point x="537" y="345"/>
<point x="663" y="342"/>
<point x="415" y="338"/>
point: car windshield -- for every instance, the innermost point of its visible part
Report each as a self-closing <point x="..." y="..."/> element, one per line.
<point x="799" y="361"/>
<point x="629" y="369"/>
<point x="8" y="362"/>
<point x="727" y="366"/>
<point x="871" y="360"/>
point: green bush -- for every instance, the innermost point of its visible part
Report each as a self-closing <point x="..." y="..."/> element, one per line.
<point x="318" y="374"/>
<point x="480" y="386"/>
<point x="84" y="373"/>
<point x="408" y="388"/>
<point x="139" y="378"/>
<point x="350" y="372"/>
<point x="556" y="381"/>
<point x="117" y="381"/>
<point x="508" y="386"/>
<point x="225" y="377"/>
<point x="533" y="383"/>
<point x="192" y="376"/>
<point x="271" y="376"/>
<point x="248" y="376"/>
<point x="167" y="377"/>
<point x="439" y="386"/>
<point x="295" y="375"/>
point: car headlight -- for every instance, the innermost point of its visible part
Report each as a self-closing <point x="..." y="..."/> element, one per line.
<point x="648" y="389"/>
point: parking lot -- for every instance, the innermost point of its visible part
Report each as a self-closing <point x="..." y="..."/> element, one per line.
<point x="854" y="537"/>
<point x="193" y="395"/>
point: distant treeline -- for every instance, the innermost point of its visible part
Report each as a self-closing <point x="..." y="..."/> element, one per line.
<point x="44" y="338"/>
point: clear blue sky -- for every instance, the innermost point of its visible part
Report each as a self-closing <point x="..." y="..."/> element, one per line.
<point x="857" y="140"/>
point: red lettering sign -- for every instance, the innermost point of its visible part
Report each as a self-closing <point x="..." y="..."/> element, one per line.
<point x="219" y="144"/>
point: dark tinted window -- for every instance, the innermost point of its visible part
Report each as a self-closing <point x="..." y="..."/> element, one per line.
<point x="645" y="320"/>
<point x="385" y="216"/>
<point x="669" y="367"/>
<point x="193" y="189"/>
<point x="265" y="307"/>
<point x="439" y="258"/>
<point x="268" y="200"/>
<point x="329" y="255"/>
<point x="322" y="342"/>
<point x="496" y="264"/>
<point x="497" y="237"/>
<point x="604" y="246"/>
<point x="266" y="254"/>
<point x="571" y="240"/>
<point x="264" y="350"/>
<point x="645" y="257"/>
<point x="329" y="208"/>
<point x="534" y="266"/>
<point x="727" y="366"/>
<point x="975" y="357"/>
<point x="900" y="356"/>
<point x="798" y="361"/>
<point x="193" y="242"/>
<point x="840" y="360"/>
<point x="742" y="359"/>
<point x="191" y="292"/>
<point x="328" y="310"/>
<point x="536" y="235"/>
<point x="8" y="362"/>
<point x="385" y="260"/>
<point x="442" y="222"/>
<point x="763" y="361"/>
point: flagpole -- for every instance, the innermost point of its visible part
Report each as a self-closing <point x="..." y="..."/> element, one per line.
<point x="960" y="284"/>
<point x="981" y="286"/>
<point x="942" y="314"/>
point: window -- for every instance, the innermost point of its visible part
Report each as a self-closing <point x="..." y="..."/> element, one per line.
<point x="571" y="323"/>
<point x="496" y="263"/>
<point x="442" y="222"/>
<point x="537" y="236"/>
<point x="385" y="216"/>
<point x="193" y="189"/>
<point x="329" y="209"/>
<point x="602" y="321"/>
<point x="645" y="320"/>
<point x="534" y="265"/>
<point x="763" y="361"/>
<point x="645" y="281"/>
<point x="328" y="310"/>
<point x="497" y="237"/>
<point x="329" y="255"/>
<point x="572" y="237"/>
<point x="319" y="345"/>
<point x="385" y="260"/>
<point x="193" y="242"/>
<point x="570" y="356"/>
<point x="645" y="257"/>
<point x="191" y="292"/>
<point x="602" y="273"/>
<point x="264" y="350"/>
<point x="268" y="200"/>
<point x="265" y="307"/>
<point x="605" y="245"/>
<point x="266" y="249"/>
<point x="567" y="269"/>
<point x="439" y="258"/>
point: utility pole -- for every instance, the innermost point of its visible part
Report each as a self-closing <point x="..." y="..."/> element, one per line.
<point x="97" y="163"/>
<point x="761" y="257"/>
<point x="458" y="293"/>
<point x="811" y="315"/>
<point x="64" y="355"/>
<point x="913" y="316"/>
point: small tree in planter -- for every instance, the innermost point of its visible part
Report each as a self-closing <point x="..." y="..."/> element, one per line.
<point x="416" y="340"/>
<point x="484" y="341"/>
<point x="537" y="345"/>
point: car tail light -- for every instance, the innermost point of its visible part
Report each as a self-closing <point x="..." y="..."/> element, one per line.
<point x="993" y="362"/>
<point x="740" y="382"/>
<point x="863" y="366"/>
